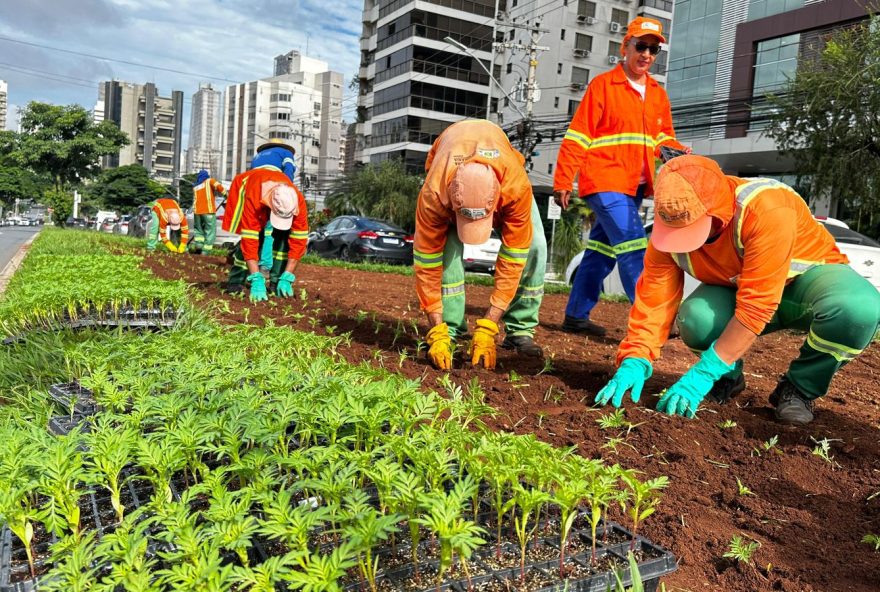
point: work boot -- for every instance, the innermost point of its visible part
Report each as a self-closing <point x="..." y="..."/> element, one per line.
<point x="234" y="288"/>
<point x="725" y="388"/>
<point x="791" y="406"/>
<point x="524" y="345"/>
<point x="584" y="326"/>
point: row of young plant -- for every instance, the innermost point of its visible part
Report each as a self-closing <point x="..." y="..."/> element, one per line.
<point x="71" y="278"/>
<point x="241" y="438"/>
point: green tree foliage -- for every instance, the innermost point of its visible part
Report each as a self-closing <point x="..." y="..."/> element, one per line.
<point x="126" y="187"/>
<point x="61" y="203"/>
<point x="18" y="183"/>
<point x="64" y="142"/>
<point x="828" y="118"/>
<point x="383" y="191"/>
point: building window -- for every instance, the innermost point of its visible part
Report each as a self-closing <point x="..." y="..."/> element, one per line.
<point x="580" y="75"/>
<point x="761" y="8"/>
<point x="619" y="16"/>
<point x="559" y="68"/>
<point x="556" y="102"/>
<point x="314" y="160"/>
<point x="614" y="48"/>
<point x="550" y="169"/>
<point x="659" y="65"/>
<point x="666" y="27"/>
<point x="582" y="41"/>
<point x="573" y="107"/>
<point x="664" y="5"/>
<point x="513" y="4"/>
<point x="509" y="68"/>
<point x="317" y="106"/>
<point x="316" y="124"/>
<point x="316" y="143"/>
<point x="587" y="8"/>
<point x="562" y="34"/>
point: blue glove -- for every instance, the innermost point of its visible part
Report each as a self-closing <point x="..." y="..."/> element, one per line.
<point x="632" y="374"/>
<point x="258" y="287"/>
<point x="683" y="397"/>
<point x="285" y="284"/>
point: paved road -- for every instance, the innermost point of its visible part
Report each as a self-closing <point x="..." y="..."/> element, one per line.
<point x="11" y="238"/>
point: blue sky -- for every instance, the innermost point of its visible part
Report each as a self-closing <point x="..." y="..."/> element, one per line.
<point x="219" y="41"/>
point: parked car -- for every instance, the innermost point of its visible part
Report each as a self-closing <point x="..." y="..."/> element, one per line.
<point x="107" y="225"/>
<point x="863" y="253"/>
<point x="121" y="226"/>
<point x="226" y="239"/>
<point x="76" y="223"/>
<point x="482" y="257"/>
<point x="357" y="238"/>
<point x="103" y="215"/>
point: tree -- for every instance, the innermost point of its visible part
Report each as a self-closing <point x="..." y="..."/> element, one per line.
<point x="64" y="143"/>
<point x="384" y="191"/>
<point x="61" y="203"/>
<point x="124" y="188"/>
<point x="18" y="183"/>
<point x="828" y="118"/>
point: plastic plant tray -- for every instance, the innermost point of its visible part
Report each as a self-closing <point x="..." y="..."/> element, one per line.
<point x="74" y="398"/>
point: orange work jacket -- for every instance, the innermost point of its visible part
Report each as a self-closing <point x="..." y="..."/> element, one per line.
<point x="769" y="238"/>
<point x="462" y="142"/>
<point x="203" y="196"/>
<point x="613" y="135"/>
<point x="161" y="207"/>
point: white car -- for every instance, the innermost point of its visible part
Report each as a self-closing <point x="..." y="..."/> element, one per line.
<point x="482" y="257"/>
<point x="863" y="253"/>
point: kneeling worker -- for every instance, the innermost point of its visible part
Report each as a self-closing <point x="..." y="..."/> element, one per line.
<point x="476" y="180"/>
<point x="766" y="264"/>
<point x="168" y="224"/>
<point x="257" y="196"/>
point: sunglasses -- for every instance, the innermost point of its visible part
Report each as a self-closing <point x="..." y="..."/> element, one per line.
<point x="642" y="46"/>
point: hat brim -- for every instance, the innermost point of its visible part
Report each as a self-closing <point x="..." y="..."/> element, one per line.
<point x="670" y="239"/>
<point x="473" y="232"/>
<point x="279" y="222"/>
<point x="267" y="145"/>
<point x="173" y="226"/>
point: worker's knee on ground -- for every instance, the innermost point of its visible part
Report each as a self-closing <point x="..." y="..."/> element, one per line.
<point x="699" y="323"/>
<point x="858" y="314"/>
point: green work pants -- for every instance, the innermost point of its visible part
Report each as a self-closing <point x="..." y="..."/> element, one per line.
<point x="521" y="316"/>
<point x="204" y="232"/>
<point x="838" y="308"/>
<point x="238" y="272"/>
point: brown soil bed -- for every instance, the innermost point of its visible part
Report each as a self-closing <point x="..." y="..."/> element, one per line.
<point x="808" y="515"/>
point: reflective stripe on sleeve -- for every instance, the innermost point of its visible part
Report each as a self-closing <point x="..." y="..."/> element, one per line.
<point x="513" y="254"/>
<point x="427" y="260"/>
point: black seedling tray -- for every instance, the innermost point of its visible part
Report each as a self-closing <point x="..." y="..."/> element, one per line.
<point x="61" y="425"/>
<point x="76" y="399"/>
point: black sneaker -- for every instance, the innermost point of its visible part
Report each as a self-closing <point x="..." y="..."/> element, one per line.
<point x="583" y="326"/>
<point x="524" y="345"/>
<point x="791" y="406"/>
<point x="725" y="389"/>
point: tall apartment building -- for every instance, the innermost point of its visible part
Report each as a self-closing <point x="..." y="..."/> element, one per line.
<point x="303" y="105"/>
<point x="584" y="39"/>
<point x="4" y="91"/>
<point x="205" y="125"/>
<point x="153" y="125"/>
<point x="413" y="84"/>
<point x="728" y="55"/>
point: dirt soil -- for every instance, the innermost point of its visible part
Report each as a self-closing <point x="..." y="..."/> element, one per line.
<point x="808" y="514"/>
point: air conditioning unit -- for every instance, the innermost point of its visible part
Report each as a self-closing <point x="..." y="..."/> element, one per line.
<point x="577" y="86"/>
<point x="615" y="27"/>
<point x="613" y="59"/>
<point x="581" y="18"/>
<point x="581" y="53"/>
<point x="590" y="20"/>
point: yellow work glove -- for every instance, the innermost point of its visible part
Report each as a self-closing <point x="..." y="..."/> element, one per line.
<point x="170" y="246"/>
<point x="483" y="345"/>
<point x="440" y="346"/>
<point x="181" y="248"/>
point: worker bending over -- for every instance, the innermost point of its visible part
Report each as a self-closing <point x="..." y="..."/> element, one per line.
<point x="168" y="224"/>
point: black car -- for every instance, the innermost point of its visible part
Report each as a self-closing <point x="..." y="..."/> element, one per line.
<point x="139" y="221"/>
<point x="356" y="238"/>
<point x="76" y="222"/>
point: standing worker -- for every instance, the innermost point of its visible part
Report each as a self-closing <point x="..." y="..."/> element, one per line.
<point x="611" y="146"/>
<point x="168" y="224"/>
<point x="766" y="264"/>
<point x="257" y="196"/>
<point x="205" y="212"/>
<point x="476" y="180"/>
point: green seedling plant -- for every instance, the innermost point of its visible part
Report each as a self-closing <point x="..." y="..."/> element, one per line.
<point x="568" y="495"/>
<point x="320" y="572"/>
<point x="60" y="481"/>
<point x="872" y="539"/>
<point x="527" y="500"/>
<point x="727" y="424"/>
<point x="366" y="529"/>
<point x="601" y="492"/>
<point x="110" y="450"/>
<point x="768" y="446"/>
<point x="407" y="498"/>
<point x="613" y="420"/>
<point x="742" y="489"/>
<point x="644" y="496"/>
<point x="741" y="551"/>
<point x="548" y="365"/>
<point x="160" y="459"/>
<point x="823" y="451"/>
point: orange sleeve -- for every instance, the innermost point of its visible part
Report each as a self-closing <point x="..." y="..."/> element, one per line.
<point x="577" y="139"/>
<point x="299" y="230"/>
<point x="218" y="187"/>
<point x="768" y="237"/>
<point x="658" y="296"/>
<point x="516" y="236"/>
<point x="253" y="220"/>
<point x="432" y="225"/>
<point x="233" y="205"/>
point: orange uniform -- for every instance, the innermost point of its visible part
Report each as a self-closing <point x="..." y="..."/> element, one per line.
<point x="161" y="207"/>
<point x="247" y="215"/>
<point x="612" y="130"/>
<point x="204" y="196"/>
<point x="482" y="142"/>
<point x="769" y="238"/>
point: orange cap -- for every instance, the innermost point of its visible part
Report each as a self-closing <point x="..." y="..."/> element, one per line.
<point x="473" y="193"/>
<point x="641" y="26"/>
<point x="685" y="189"/>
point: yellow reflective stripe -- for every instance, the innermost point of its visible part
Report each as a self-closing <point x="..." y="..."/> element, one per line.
<point x="663" y="138"/>
<point x="269" y="167"/>
<point x="638" y="244"/>
<point x="578" y="138"/>
<point x="513" y="253"/>
<point x="799" y="266"/>
<point x="532" y="291"/>
<point x="239" y="207"/>
<point x="254" y="234"/>
<point x="839" y="352"/>
<point x="300" y="234"/>
<point x="683" y="260"/>
<point x="453" y="289"/>
<point x="279" y="255"/>
<point x="427" y="260"/>
<point x="607" y="250"/>
<point x="744" y="195"/>
<point x="621" y="139"/>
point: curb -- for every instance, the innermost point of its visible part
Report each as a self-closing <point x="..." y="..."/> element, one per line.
<point x="15" y="262"/>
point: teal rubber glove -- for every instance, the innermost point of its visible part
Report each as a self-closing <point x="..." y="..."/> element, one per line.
<point x="258" y="287"/>
<point x="683" y="397"/>
<point x="632" y="374"/>
<point x="285" y="284"/>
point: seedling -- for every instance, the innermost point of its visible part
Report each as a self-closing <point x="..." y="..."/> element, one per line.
<point x="741" y="551"/>
<point x="548" y="365"/>
<point x="645" y="496"/>
<point x="553" y="394"/>
<point x="769" y="445"/>
<point x="727" y="424"/>
<point x="872" y="539"/>
<point x="742" y="489"/>
<point x="613" y="443"/>
<point x="616" y="419"/>
<point x="360" y="316"/>
<point x="541" y="416"/>
<point x="823" y="451"/>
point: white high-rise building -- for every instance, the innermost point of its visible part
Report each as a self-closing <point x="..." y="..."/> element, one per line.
<point x="302" y="106"/>
<point x="205" y="125"/>
<point x="4" y="90"/>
